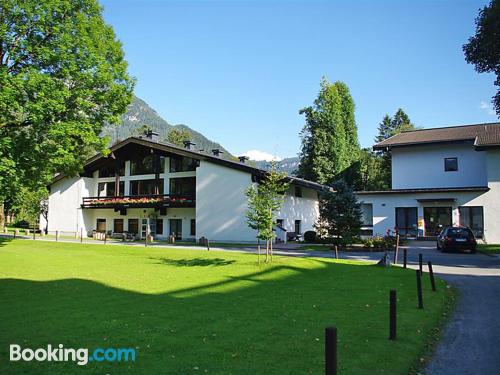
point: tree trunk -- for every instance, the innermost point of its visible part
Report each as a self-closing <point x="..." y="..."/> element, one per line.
<point x="2" y="215"/>
<point x="258" y="250"/>
<point x="271" y="248"/>
<point x="267" y="251"/>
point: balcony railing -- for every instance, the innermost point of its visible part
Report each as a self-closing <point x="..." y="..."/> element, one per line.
<point x="163" y="200"/>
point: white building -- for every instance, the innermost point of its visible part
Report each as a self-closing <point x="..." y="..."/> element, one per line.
<point x="441" y="176"/>
<point x="148" y="186"/>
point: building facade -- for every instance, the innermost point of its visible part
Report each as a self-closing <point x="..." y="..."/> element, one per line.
<point x="440" y="177"/>
<point x="145" y="186"/>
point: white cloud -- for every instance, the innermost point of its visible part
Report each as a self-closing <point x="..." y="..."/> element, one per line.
<point x="487" y="107"/>
<point x="261" y="155"/>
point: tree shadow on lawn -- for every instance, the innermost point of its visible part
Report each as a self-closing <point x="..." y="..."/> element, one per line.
<point x="268" y="322"/>
<point x="194" y="262"/>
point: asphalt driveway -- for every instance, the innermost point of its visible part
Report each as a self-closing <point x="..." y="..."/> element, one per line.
<point x="471" y="341"/>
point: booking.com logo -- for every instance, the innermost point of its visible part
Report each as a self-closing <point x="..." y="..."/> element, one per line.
<point x="80" y="356"/>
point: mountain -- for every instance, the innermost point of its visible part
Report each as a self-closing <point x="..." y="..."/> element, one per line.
<point x="288" y="165"/>
<point x="140" y="113"/>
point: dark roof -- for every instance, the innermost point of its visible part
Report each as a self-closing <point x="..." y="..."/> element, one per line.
<point x="427" y="190"/>
<point x="480" y="135"/>
<point x="94" y="162"/>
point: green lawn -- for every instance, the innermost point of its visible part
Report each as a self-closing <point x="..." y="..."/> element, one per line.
<point x="489" y="249"/>
<point x="199" y="312"/>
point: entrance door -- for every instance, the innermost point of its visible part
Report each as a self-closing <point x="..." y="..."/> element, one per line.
<point x="435" y="219"/>
<point x="176" y="228"/>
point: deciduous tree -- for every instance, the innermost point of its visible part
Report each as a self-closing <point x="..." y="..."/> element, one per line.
<point x="329" y="138"/>
<point x="264" y="200"/>
<point x="62" y="77"/>
<point x="483" y="49"/>
<point x="178" y="136"/>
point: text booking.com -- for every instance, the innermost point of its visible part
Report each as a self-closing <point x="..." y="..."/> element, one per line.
<point x="81" y="356"/>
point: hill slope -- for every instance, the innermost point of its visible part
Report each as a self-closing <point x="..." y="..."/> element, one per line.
<point x="140" y="113"/>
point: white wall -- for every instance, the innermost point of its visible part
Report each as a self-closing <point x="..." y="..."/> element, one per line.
<point x="305" y="209"/>
<point x="185" y="214"/>
<point x="65" y="198"/>
<point x="384" y="205"/>
<point x="423" y="167"/>
<point x="221" y="203"/>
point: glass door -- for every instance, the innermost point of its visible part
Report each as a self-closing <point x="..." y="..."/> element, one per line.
<point x="144" y="228"/>
<point x="406" y="221"/>
<point x="436" y="218"/>
<point x="176" y="228"/>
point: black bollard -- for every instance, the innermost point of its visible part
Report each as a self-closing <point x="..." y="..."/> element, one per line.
<point x="405" y="257"/>
<point x="420" y="263"/>
<point x="331" y="351"/>
<point x="81" y="235"/>
<point x="419" y="289"/>
<point x="57" y="235"/>
<point x="431" y="275"/>
<point x="392" y="315"/>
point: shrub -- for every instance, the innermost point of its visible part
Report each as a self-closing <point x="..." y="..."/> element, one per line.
<point x="310" y="236"/>
<point x="378" y="242"/>
<point x="22" y="224"/>
<point x="368" y="243"/>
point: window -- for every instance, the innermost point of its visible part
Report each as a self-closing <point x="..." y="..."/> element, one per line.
<point x="107" y="189"/>
<point x="109" y="169"/>
<point x="101" y="189"/>
<point x="472" y="217"/>
<point x="146" y="165"/>
<point x="367" y="214"/>
<point x="192" y="232"/>
<point x="145" y="187"/>
<point x="183" y="186"/>
<point x="406" y="221"/>
<point x="298" y="191"/>
<point x="297" y="227"/>
<point x="159" y="226"/>
<point x="101" y="225"/>
<point x="183" y="164"/>
<point x="279" y="223"/>
<point x="118" y="226"/>
<point x="450" y="164"/>
<point x="133" y="226"/>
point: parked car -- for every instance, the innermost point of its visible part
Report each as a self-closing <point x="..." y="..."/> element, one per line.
<point x="456" y="238"/>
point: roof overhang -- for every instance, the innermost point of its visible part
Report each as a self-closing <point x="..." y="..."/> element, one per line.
<point x="436" y="200"/>
<point x="169" y="149"/>
<point x="479" y="189"/>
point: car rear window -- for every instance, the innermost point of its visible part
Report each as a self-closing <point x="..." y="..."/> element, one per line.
<point x="459" y="232"/>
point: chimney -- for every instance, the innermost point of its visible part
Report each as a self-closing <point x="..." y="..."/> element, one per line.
<point x="217" y="152"/>
<point x="243" y="159"/>
<point x="151" y="135"/>
<point x="188" y="145"/>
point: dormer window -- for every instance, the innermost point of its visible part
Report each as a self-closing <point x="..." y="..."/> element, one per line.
<point x="450" y="164"/>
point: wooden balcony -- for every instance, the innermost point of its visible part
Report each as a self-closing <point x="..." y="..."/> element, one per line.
<point x="140" y="201"/>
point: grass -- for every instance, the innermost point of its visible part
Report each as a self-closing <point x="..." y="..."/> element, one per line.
<point x="198" y="312"/>
<point x="489" y="248"/>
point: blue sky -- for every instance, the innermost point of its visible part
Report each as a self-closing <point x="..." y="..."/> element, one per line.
<point x="240" y="71"/>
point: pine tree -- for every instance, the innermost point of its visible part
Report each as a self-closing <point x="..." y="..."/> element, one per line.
<point x="340" y="215"/>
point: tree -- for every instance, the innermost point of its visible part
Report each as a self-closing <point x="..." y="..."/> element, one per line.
<point x="329" y="137"/>
<point x="264" y="199"/>
<point x="30" y="204"/>
<point x="388" y="127"/>
<point x="340" y="215"/>
<point x="178" y="136"/>
<point x="371" y="172"/>
<point x="483" y="49"/>
<point x="63" y="77"/>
